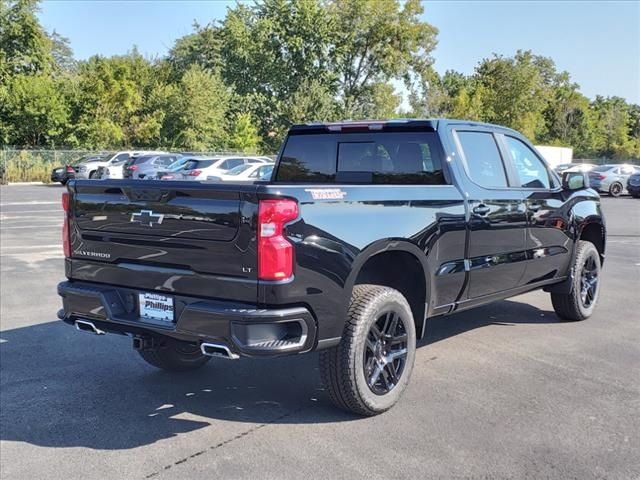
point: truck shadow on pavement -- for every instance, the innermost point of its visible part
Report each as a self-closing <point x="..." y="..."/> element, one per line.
<point x="63" y="388"/>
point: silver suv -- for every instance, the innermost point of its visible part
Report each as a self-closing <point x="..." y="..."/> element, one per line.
<point x="90" y="169"/>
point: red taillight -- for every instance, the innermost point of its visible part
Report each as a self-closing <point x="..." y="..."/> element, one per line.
<point x="66" y="241"/>
<point x="70" y="169"/>
<point x="194" y="173"/>
<point x="133" y="167"/>
<point x="600" y="177"/>
<point x="275" y="252"/>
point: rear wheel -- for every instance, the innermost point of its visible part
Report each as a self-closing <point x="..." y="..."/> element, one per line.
<point x="615" y="190"/>
<point x="370" y="368"/>
<point x="175" y="356"/>
<point x="580" y="303"/>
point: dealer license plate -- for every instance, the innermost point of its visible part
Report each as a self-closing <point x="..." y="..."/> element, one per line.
<point x="154" y="306"/>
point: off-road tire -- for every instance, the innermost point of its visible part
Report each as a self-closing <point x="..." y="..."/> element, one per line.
<point x="175" y="356"/>
<point x="570" y="307"/>
<point x="342" y="367"/>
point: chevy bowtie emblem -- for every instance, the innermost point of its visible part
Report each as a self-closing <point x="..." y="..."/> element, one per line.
<point x="147" y="217"/>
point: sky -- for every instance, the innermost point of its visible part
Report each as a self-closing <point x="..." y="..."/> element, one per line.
<point x="597" y="42"/>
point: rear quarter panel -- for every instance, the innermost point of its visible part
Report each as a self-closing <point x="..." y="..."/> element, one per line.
<point x="341" y="226"/>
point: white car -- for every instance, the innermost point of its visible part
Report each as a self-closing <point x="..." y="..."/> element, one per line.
<point x="249" y="172"/>
<point x="201" y="168"/>
<point x="90" y="169"/>
<point x="112" y="171"/>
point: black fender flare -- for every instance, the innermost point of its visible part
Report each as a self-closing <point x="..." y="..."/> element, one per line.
<point x="391" y="245"/>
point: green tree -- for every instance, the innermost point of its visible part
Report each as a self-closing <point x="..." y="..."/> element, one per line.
<point x="378" y="100"/>
<point x="312" y="102"/>
<point x="24" y="45"/>
<point x="33" y="111"/>
<point x="244" y="136"/>
<point x="268" y="51"/>
<point x="202" y="47"/>
<point x="517" y="91"/>
<point x="62" y="53"/>
<point x="569" y="120"/>
<point x="612" y="127"/>
<point x="375" y="41"/>
<point x="197" y="113"/>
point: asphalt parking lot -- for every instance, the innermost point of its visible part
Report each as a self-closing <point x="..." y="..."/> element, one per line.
<point x="503" y="391"/>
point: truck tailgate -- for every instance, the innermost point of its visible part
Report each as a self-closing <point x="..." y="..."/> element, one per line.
<point x="174" y="236"/>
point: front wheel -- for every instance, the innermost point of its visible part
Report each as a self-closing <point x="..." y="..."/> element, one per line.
<point x="580" y="303"/>
<point x="369" y="369"/>
<point x="175" y="356"/>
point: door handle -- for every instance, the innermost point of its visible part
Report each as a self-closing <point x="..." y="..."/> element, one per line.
<point x="534" y="207"/>
<point x="481" y="209"/>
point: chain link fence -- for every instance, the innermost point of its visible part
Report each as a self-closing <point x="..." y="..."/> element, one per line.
<point x="19" y="165"/>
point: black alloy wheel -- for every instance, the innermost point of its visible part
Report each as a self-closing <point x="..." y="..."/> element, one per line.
<point x="589" y="282"/>
<point x="385" y="353"/>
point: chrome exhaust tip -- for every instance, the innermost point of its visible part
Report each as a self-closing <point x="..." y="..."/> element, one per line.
<point x="218" y="350"/>
<point x="85" y="326"/>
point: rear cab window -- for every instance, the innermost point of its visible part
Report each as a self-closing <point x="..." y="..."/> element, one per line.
<point x="410" y="158"/>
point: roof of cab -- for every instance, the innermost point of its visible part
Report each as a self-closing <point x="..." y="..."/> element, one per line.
<point x="391" y="124"/>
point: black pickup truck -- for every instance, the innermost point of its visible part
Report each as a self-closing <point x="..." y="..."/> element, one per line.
<point x="366" y="230"/>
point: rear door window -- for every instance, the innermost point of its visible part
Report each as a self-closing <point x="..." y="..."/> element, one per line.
<point x="482" y="159"/>
<point x="378" y="158"/>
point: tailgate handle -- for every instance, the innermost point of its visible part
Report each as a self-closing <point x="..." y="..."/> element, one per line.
<point x="146" y="194"/>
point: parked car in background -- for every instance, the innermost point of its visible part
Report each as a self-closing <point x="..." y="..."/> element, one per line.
<point x="112" y="171"/>
<point x="63" y="174"/>
<point x="611" y="179"/>
<point x="574" y="167"/>
<point x="633" y="185"/>
<point x="216" y="166"/>
<point x="249" y="172"/>
<point x="67" y="172"/>
<point x="172" y="172"/>
<point x="90" y="169"/>
<point x="147" y="166"/>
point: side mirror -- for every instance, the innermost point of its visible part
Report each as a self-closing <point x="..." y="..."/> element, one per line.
<point x="575" y="180"/>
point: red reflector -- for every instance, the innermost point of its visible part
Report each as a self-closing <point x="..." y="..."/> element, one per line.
<point x="275" y="252"/>
<point x="65" y="201"/>
<point x="66" y="241"/>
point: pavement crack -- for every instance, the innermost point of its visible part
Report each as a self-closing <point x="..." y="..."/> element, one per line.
<point x="223" y="443"/>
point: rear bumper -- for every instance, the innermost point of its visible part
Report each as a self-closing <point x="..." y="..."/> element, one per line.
<point x="62" y="176"/>
<point x="246" y="330"/>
